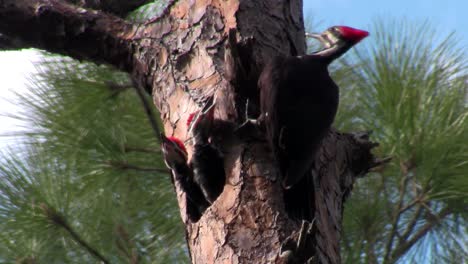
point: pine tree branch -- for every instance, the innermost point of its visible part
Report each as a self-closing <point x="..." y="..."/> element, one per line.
<point x="352" y="153"/>
<point x="117" y="88"/>
<point x="147" y="105"/>
<point x="26" y="260"/>
<point x="125" y="166"/>
<point x="405" y="246"/>
<point x="126" y="246"/>
<point x="149" y="112"/>
<point x="57" y="219"/>
<point x="120" y="8"/>
<point x="412" y="204"/>
<point x="396" y="218"/>
<point x="388" y="209"/>
<point x="412" y="224"/>
<point x="141" y="149"/>
<point x="60" y="27"/>
<point x="66" y="29"/>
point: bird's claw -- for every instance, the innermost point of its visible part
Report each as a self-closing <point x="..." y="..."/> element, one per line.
<point x="249" y="121"/>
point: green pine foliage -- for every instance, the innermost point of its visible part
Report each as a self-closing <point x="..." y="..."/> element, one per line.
<point x="90" y="163"/>
<point x="408" y="85"/>
<point x="150" y="10"/>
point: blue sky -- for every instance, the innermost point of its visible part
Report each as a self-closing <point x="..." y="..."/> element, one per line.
<point x="446" y="15"/>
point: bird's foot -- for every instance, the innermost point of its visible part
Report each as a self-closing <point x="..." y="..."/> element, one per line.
<point x="249" y="123"/>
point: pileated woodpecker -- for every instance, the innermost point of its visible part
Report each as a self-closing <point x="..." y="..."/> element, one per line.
<point x="175" y="157"/>
<point x="207" y="162"/>
<point x="298" y="101"/>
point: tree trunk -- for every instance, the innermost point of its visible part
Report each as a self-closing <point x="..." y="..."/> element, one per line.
<point x="199" y="49"/>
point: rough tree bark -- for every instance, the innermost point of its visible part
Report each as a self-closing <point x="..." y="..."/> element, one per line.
<point x="195" y="50"/>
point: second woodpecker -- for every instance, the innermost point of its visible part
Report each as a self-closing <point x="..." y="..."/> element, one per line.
<point x="175" y="157"/>
<point x="207" y="161"/>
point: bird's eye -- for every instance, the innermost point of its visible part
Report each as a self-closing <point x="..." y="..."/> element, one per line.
<point x="336" y="29"/>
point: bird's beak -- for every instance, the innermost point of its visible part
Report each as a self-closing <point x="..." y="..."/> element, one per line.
<point x="209" y="104"/>
<point x="323" y="41"/>
<point x="314" y="35"/>
<point x="318" y="37"/>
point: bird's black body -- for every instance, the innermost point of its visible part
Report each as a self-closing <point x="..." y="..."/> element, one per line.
<point x="208" y="170"/>
<point x="305" y="100"/>
<point x="207" y="161"/>
<point x="175" y="157"/>
<point x="298" y="103"/>
<point x="195" y="200"/>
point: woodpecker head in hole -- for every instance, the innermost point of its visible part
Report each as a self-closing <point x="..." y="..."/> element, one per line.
<point x="200" y="122"/>
<point x="174" y="151"/>
<point x="339" y="35"/>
